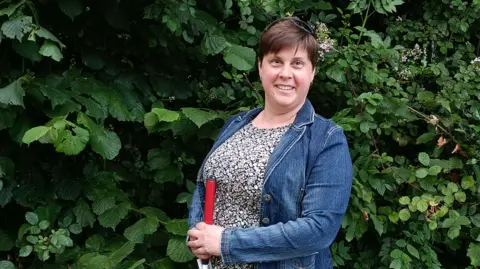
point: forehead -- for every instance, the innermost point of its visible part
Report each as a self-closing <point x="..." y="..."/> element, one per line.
<point x="289" y="52"/>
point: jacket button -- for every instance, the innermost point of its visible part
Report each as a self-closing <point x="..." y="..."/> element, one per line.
<point x="267" y="198"/>
<point x="265" y="221"/>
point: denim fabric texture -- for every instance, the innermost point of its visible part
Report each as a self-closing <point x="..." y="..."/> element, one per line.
<point x="305" y="195"/>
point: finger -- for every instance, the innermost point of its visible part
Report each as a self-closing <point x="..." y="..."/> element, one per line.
<point x="200" y="225"/>
<point x="194" y="233"/>
<point x="203" y="257"/>
<point x="193" y="238"/>
<point x="194" y="244"/>
<point x="201" y="254"/>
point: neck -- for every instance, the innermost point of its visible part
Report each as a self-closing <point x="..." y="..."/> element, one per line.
<point x="272" y="118"/>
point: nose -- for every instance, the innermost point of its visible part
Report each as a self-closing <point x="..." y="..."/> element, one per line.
<point x="286" y="72"/>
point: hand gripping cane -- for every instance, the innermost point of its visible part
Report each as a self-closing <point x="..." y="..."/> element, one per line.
<point x="210" y="186"/>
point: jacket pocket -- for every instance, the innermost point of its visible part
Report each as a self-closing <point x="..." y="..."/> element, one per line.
<point x="307" y="262"/>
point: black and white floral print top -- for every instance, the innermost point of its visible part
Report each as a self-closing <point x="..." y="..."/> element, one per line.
<point x="238" y="166"/>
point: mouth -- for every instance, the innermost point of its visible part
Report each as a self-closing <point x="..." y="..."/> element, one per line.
<point x="285" y="87"/>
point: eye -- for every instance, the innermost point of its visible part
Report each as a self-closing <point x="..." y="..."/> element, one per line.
<point x="275" y="62"/>
<point x="298" y="63"/>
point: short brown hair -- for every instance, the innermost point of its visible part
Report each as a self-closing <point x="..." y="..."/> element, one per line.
<point x="289" y="32"/>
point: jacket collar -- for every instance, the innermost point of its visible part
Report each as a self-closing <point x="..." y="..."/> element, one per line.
<point x="304" y="116"/>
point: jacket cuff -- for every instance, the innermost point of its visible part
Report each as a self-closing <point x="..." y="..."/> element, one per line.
<point x="224" y="246"/>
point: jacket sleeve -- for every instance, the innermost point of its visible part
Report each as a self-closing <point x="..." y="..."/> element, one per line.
<point x="327" y="193"/>
<point x="195" y="214"/>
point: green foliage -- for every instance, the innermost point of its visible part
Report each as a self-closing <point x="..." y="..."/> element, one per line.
<point x="107" y="109"/>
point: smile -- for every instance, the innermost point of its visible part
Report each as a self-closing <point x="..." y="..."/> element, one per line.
<point x="284" y="87"/>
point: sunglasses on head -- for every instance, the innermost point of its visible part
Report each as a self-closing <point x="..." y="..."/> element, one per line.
<point x="298" y="22"/>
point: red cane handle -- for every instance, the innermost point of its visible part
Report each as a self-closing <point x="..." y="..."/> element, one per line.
<point x="209" y="206"/>
<point x="210" y="186"/>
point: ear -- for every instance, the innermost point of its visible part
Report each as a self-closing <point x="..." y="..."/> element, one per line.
<point x="259" y="62"/>
<point x="314" y="71"/>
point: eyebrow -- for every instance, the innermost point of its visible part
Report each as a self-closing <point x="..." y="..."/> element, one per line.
<point x="294" y="58"/>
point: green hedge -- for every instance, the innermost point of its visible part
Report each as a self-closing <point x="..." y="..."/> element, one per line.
<point x="108" y="107"/>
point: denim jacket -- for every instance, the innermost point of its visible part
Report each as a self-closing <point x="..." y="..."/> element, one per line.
<point x="305" y="195"/>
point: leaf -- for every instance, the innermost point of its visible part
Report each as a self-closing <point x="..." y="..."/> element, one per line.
<point x="27" y="49"/>
<point x="17" y="27"/>
<point x="103" y="204"/>
<point x="50" y="49"/>
<point x="421" y="173"/>
<point x="11" y="8"/>
<point x="32" y="218"/>
<point x="35" y="134"/>
<point x="93" y="108"/>
<point x="453" y="232"/>
<point x="242" y="58"/>
<point x="6" y="265"/>
<point x="468" y="182"/>
<point x="44" y="224"/>
<point x="425" y="138"/>
<point x="405" y="200"/>
<point x="118" y="255"/>
<point x="70" y="144"/>
<point x="396" y="264"/>
<point x="56" y="96"/>
<point x="177" y="250"/>
<point x="166" y="115"/>
<point x="422" y="206"/>
<point x="460" y="196"/>
<point x="44" y="33"/>
<point x="137" y="231"/>
<point x="112" y="217"/>
<point x="475" y="220"/>
<point x="168" y="174"/>
<point x="158" y="159"/>
<point x="7" y="118"/>
<point x="177" y="226"/>
<point x="424" y="158"/>
<point x="434" y="170"/>
<point x="106" y="143"/>
<point x="6" y="241"/>
<point x="75" y="228"/>
<point x="93" y="60"/>
<point x="95" y="243"/>
<point x="6" y="195"/>
<point x="413" y="251"/>
<point x="337" y="73"/>
<point x="84" y="215"/>
<point x="183" y="197"/>
<point x="404" y="214"/>
<point x="155" y="213"/>
<point x="25" y="251"/>
<point x="448" y="223"/>
<point x="133" y="264"/>
<point x="164" y="263"/>
<point x="213" y="43"/>
<point x="12" y="94"/>
<point x="32" y="239"/>
<point x="199" y="116"/>
<point x="452" y="187"/>
<point x="71" y="8"/>
<point x="378" y="224"/>
<point x="473" y="253"/>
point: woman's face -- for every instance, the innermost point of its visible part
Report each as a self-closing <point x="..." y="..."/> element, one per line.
<point x="286" y="78"/>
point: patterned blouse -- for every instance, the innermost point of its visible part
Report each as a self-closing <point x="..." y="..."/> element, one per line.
<point x="238" y="165"/>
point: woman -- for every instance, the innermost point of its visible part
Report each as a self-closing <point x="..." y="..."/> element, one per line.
<point x="283" y="173"/>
